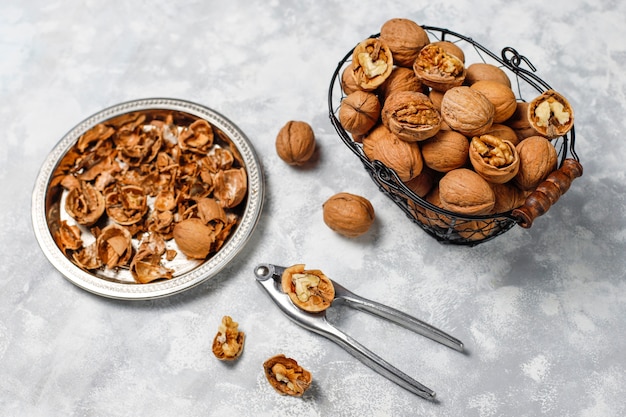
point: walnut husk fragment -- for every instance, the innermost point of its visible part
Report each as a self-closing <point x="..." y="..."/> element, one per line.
<point x="348" y="214"/>
<point x="286" y="376"/>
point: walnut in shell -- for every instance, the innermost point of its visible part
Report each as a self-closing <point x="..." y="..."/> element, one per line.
<point x="479" y="71"/>
<point x="501" y="96"/>
<point x="286" y="376"/>
<point x="405" y="158"/>
<point x="446" y="151"/>
<point x="520" y="123"/>
<point x="359" y="112"/>
<point x="372" y="63"/>
<point x="508" y="197"/>
<point x="348" y="84"/>
<point x="537" y="159"/>
<point x="551" y="114"/>
<point x="400" y="79"/>
<point x="405" y="39"/>
<point x="465" y="192"/>
<point x="411" y="116"/>
<point x="228" y="342"/>
<point x="423" y="183"/>
<point x="348" y="214"/>
<point x="467" y="111"/>
<point x="494" y="159"/>
<point x="308" y="289"/>
<point x="439" y="69"/>
<point x="295" y="143"/>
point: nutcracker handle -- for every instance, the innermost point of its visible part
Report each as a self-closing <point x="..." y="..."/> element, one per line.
<point x="547" y="193"/>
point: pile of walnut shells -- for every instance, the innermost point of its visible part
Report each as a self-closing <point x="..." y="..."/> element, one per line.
<point x="454" y="133"/>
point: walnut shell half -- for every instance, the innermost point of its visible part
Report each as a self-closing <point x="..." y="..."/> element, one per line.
<point x="494" y="159"/>
<point x="286" y="376"/>
<point x="439" y="69"/>
<point x="411" y="116"/>
<point x="372" y="62"/>
<point x="551" y="114"/>
<point x="309" y="290"/>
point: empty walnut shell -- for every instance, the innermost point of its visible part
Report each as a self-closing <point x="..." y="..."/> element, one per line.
<point x="465" y="192"/>
<point x="494" y="159"/>
<point x="286" y="376"/>
<point x="405" y="39"/>
<point x="114" y="246"/>
<point x="479" y="71"/>
<point x="404" y="158"/>
<point x="127" y="205"/>
<point x="372" y="62"/>
<point x="501" y="96"/>
<point x="359" y="112"/>
<point x="467" y="111"/>
<point x="537" y="159"/>
<point x="85" y="204"/>
<point x="146" y="265"/>
<point x="295" y="142"/>
<point x="308" y="289"/>
<point x="439" y="69"/>
<point x="550" y="114"/>
<point x="228" y="342"/>
<point x="446" y="151"/>
<point x="411" y="116"/>
<point x="348" y="214"/>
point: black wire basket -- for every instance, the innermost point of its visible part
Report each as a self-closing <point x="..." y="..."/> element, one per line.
<point x="446" y="226"/>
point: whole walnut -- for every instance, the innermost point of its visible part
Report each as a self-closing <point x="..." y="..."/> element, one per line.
<point x="483" y="71"/>
<point x="467" y="111"/>
<point x="405" y="158"/>
<point x="501" y="96"/>
<point x="359" y="111"/>
<point x="446" y="151"/>
<point x="465" y="192"/>
<point x="348" y="214"/>
<point x="520" y="123"/>
<point x="400" y="79"/>
<point x="405" y="38"/>
<point x="295" y="143"/>
<point x="508" y="197"/>
<point x="537" y="159"/>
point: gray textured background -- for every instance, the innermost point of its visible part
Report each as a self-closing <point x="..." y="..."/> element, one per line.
<point x="541" y="311"/>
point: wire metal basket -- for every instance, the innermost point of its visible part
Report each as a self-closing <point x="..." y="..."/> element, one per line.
<point x="446" y="226"/>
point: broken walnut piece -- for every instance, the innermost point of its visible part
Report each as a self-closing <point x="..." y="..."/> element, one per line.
<point x="309" y="290"/>
<point x="127" y="205"/>
<point x="286" y="376"/>
<point x="550" y="114"/>
<point x="146" y="265"/>
<point x="494" y="159"/>
<point x="372" y="62"/>
<point x="114" y="246"/>
<point x="228" y="342"/>
<point x="194" y="238"/>
<point x="197" y="137"/>
<point x="85" y="204"/>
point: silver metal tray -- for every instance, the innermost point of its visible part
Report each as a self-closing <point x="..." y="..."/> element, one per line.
<point x="47" y="208"/>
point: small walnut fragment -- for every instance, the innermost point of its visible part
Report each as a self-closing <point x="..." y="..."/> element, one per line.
<point x="286" y="376"/>
<point x="309" y="290"/>
<point x="228" y="342"/>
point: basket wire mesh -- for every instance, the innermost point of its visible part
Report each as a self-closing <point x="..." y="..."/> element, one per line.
<point x="445" y="226"/>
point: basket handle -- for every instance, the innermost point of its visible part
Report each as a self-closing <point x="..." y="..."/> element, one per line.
<point x="547" y="193"/>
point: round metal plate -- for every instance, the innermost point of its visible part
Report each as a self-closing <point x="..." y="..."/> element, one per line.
<point x="47" y="208"/>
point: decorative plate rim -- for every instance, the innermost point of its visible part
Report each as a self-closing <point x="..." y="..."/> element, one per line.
<point x="208" y="269"/>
